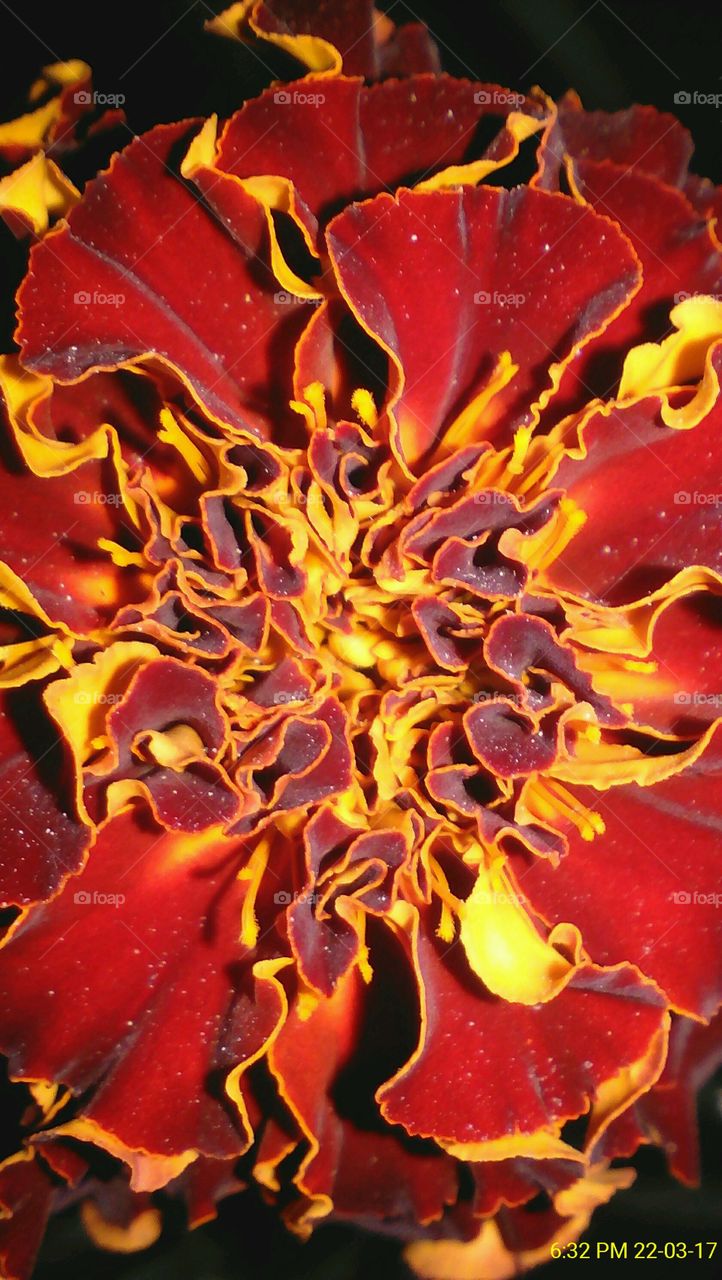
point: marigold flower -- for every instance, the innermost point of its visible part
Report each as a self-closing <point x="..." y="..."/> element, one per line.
<point x="360" y="668"/>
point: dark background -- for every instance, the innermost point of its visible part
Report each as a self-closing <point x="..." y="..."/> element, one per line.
<point x="155" y="54"/>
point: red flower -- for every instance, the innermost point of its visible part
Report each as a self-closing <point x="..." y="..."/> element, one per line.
<point x="361" y="669"/>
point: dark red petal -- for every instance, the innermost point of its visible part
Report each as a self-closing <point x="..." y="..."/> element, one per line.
<point x="638" y="138"/>
<point x="684" y="695"/>
<point x="368" y="43"/>
<point x="513" y="1182"/>
<point x="162" y="695"/>
<point x="679" y="258"/>
<point x="26" y="1193"/>
<point x="448" y="281"/>
<point x="667" y="1114"/>
<point x="325" y="942"/>
<point x="525" y="650"/>
<point x="335" y="351"/>
<point x="329" y="1066"/>
<point x="452" y="1087"/>
<point x="143" y="949"/>
<point x="442" y="631"/>
<point x="184" y="279"/>
<point x="651" y="501"/>
<point x="43" y="838"/>
<point x="173" y="622"/>
<point x="508" y="741"/>
<point x="372" y="139"/>
<point x="50" y="533"/>
<point x="704" y="196"/>
<point x="127" y="401"/>
<point x="409" y="51"/>
<point x="203" y="1184"/>
<point x="635" y="896"/>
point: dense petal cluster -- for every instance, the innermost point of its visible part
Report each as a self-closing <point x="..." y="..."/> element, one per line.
<point x="361" y="674"/>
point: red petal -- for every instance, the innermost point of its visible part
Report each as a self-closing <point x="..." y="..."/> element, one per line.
<point x="679" y="258"/>
<point x="351" y="26"/>
<point x="25" y="1195"/>
<point x="144" y="268"/>
<point x="452" y="1087"/>
<point x="545" y="273"/>
<point x="514" y="1182"/>
<point x="325" y="942"/>
<point x="51" y="529"/>
<point x="162" y="695"/>
<point x="129" y="983"/>
<point x="650" y="499"/>
<point x="684" y="695"/>
<point x="667" y="1114"/>
<point x="127" y="401"/>
<point x="661" y="842"/>
<point x="372" y="139"/>
<point x="638" y="138"/>
<point x="526" y="652"/>
<point x="704" y="196"/>
<point x="43" y="838"/>
<point x="328" y="1067"/>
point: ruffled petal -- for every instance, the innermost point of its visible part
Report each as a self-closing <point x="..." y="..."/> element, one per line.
<point x="671" y="922"/>
<point x="473" y="272"/>
<point x="110" y="290"/>
<point x="462" y="1101"/>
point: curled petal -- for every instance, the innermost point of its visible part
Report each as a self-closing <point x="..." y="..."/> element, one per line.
<point x="464" y="1102"/>
<point x="153" y="1049"/>
<point x="671" y="922"/>
<point x="108" y="291"/>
